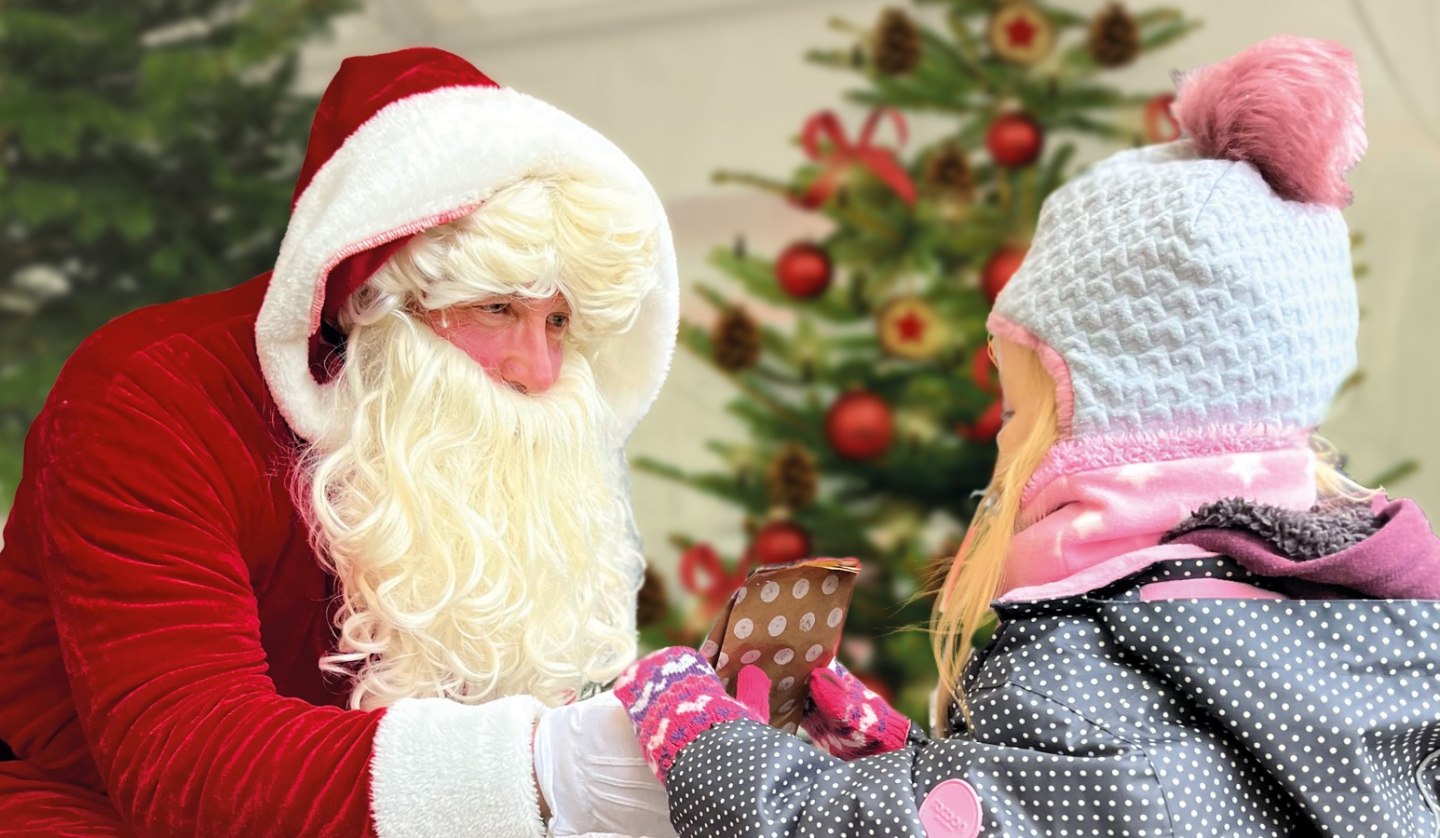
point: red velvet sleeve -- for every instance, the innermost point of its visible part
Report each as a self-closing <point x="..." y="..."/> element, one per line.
<point x="139" y="495"/>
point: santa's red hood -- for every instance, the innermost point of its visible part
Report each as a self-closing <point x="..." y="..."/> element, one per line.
<point x="408" y="140"/>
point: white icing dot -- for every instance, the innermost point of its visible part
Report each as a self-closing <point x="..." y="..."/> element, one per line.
<point x="745" y="626"/>
<point x="807" y="621"/>
<point x="777" y="626"/>
<point x="750" y="656"/>
<point x="814" y="652"/>
<point x="770" y="591"/>
<point x="830" y="585"/>
<point x="724" y="659"/>
<point x="784" y="656"/>
<point x="836" y="615"/>
<point x="708" y="649"/>
<point x="802" y="587"/>
<point x="787" y="682"/>
<point x="787" y="706"/>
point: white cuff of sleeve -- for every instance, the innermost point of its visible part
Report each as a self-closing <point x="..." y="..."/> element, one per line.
<point x="445" y="769"/>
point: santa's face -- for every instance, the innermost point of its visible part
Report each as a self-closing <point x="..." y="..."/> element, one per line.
<point x="518" y="341"/>
<point x="481" y="535"/>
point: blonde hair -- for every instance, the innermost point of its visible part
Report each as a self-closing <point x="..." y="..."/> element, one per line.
<point x="963" y="601"/>
<point x="1331" y="482"/>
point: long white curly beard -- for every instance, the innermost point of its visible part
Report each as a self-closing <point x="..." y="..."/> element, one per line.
<point x="483" y="539"/>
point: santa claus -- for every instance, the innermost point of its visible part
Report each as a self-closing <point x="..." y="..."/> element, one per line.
<point x="343" y="550"/>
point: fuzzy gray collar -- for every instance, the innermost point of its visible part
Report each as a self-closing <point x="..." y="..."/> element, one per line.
<point x="1328" y="527"/>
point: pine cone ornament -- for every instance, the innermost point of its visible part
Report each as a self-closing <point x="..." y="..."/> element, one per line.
<point x="948" y="172"/>
<point x="653" y="603"/>
<point x="897" y="43"/>
<point x="736" y="341"/>
<point x="1114" y="37"/>
<point x="792" y="477"/>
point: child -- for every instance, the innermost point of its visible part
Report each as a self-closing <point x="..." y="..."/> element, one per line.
<point x="1204" y="627"/>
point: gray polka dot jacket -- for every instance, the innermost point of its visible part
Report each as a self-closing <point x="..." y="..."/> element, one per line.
<point x="1105" y="714"/>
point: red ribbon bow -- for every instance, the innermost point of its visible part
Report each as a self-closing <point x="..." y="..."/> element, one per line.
<point x="843" y="154"/>
<point x="718" y="583"/>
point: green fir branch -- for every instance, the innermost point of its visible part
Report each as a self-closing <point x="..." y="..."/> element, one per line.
<point x="1054" y="170"/>
<point x="758" y="278"/>
<point x="1167" y="34"/>
<point x="1395" y="474"/>
<point x="724" y="487"/>
<point x="766" y="422"/>
<point x="1083" y="124"/>
<point x="1064" y="20"/>
<point x="748" y="179"/>
<point x="839" y="59"/>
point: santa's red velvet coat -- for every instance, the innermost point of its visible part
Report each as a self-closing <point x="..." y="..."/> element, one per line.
<point x="161" y="611"/>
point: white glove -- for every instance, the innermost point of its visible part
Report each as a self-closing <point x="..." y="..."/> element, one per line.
<point x="592" y="775"/>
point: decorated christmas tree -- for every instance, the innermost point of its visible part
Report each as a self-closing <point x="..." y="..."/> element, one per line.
<point x="147" y="152"/>
<point x="872" y="410"/>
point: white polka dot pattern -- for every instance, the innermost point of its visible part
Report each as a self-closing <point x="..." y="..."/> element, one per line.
<point x="1105" y="716"/>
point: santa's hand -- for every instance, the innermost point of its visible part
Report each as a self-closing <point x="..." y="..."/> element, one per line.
<point x="847" y="720"/>
<point x="673" y="696"/>
<point x="592" y="775"/>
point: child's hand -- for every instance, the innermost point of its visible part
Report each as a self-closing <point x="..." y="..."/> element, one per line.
<point x="672" y="697"/>
<point x="847" y="720"/>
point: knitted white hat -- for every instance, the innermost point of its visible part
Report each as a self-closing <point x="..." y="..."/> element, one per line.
<point x="1202" y="290"/>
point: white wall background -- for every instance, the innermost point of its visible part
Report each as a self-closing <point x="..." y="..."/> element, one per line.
<point x="689" y="86"/>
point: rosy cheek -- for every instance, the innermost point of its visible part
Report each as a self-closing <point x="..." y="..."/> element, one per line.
<point x="486" y="347"/>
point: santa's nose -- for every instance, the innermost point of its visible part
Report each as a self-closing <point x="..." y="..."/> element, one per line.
<point x="532" y="364"/>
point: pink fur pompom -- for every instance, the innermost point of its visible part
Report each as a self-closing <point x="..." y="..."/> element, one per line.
<point x="1290" y="106"/>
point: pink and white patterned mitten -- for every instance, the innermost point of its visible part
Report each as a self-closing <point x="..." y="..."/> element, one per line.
<point x="672" y="697"/>
<point x="847" y="720"/>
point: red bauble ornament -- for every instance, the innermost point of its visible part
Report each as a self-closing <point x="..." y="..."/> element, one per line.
<point x="998" y="269"/>
<point x="804" y="270"/>
<point x="985" y="428"/>
<point x="859" y="426"/>
<point x="1014" y="139"/>
<point x="984" y="374"/>
<point x="781" y="542"/>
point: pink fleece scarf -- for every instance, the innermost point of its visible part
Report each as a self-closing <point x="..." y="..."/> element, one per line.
<point x="1085" y="529"/>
